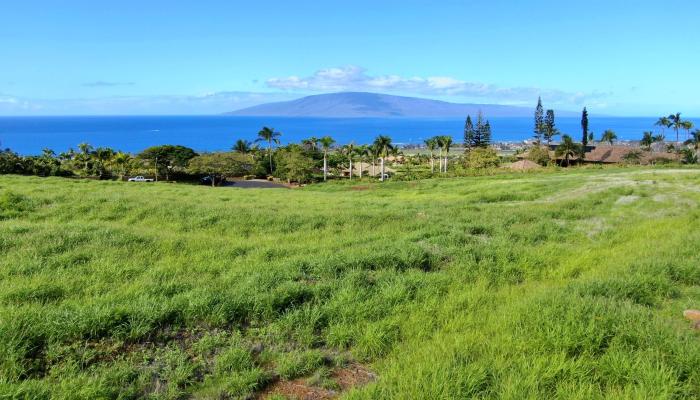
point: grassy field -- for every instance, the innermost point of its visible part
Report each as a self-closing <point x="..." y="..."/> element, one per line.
<point x="549" y="285"/>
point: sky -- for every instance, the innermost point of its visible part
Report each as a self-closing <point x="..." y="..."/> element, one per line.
<point x="80" y="57"/>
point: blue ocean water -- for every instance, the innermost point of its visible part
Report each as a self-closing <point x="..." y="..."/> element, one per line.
<point x="29" y="135"/>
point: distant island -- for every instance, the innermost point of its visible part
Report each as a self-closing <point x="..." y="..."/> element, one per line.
<point x="376" y="105"/>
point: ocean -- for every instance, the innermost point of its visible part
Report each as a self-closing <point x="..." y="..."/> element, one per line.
<point x="29" y="135"/>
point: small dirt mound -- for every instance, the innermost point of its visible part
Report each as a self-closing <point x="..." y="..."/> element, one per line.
<point x="353" y="375"/>
<point x="694" y="317"/>
<point x="360" y="188"/>
<point x="524" y="165"/>
<point x="346" y="378"/>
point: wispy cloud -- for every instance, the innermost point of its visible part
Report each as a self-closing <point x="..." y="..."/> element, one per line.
<point x="205" y="103"/>
<point x="97" y="84"/>
<point x="356" y="78"/>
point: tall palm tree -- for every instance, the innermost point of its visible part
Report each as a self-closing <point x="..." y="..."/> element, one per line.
<point x="383" y="147"/>
<point x="446" y="144"/>
<point x="441" y="145"/>
<point x="431" y="144"/>
<point x="349" y="150"/>
<point x="676" y="123"/>
<point x="567" y="148"/>
<point x="361" y="152"/>
<point x="663" y="123"/>
<point x="326" y="143"/>
<point x="269" y="135"/>
<point x="372" y="153"/>
<point x="608" y="136"/>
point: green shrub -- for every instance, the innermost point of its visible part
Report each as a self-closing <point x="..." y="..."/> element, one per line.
<point x="481" y="158"/>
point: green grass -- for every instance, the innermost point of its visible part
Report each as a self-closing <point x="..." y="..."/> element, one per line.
<point x="545" y="285"/>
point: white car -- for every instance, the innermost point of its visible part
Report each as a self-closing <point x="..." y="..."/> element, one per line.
<point x="140" y="179"/>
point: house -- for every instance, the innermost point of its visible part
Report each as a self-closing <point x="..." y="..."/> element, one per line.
<point x="612" y="154"/>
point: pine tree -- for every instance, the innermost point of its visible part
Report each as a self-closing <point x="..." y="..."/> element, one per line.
<point x="549" y="128"/>
<point x="469" y="133"/>
<point x="584" y="127"/>
<point x="539" y="120"/>
<point x="486" y="138"/>
<point x="479" y="131"/>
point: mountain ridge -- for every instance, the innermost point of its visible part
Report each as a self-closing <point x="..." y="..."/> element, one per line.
<point x="377" y="105"/>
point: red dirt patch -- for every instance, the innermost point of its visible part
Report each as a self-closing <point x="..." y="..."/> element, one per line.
<point x="347" y="377"/>
<point x="353" y="375"/>
<point x="360" y="188"/>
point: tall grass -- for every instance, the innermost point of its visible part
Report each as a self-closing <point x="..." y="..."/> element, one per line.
<point x="510" y="286"/>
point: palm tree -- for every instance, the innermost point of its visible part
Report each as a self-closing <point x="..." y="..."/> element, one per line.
<point x="694" y="140"/>
<point x="608" y="136"/>
<point x="687" y="125"/>
<point x="326" y="143"/>
<point x="362" y="152"/>
<point x="446" y="143"/>
<point x="242" y="146"/>
<point x="121" y="160"/>
<point x="85" y="154"/>
<point x="270" y="136"/>
<point x="311" y="143"/>
<point x="349" y="150"/>
<point x="66" y="155"/>
<point x="567" y="148"/>
<point x="373" y="155"/>
<point x="663" y="123"/>
<point x="647" y="140"/>
<point x="104" y="156"/>
<point x="676" y="123"/>
<point x="383" y="147"/>
<point x="441" y="146"/>
<point x="431" y="144"/>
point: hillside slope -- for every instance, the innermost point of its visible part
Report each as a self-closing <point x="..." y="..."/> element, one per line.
<point x="542" y="285"/>
<point x="359" y="104"/>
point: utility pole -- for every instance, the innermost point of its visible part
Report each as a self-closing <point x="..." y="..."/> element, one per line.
<point x="155" y="167"/>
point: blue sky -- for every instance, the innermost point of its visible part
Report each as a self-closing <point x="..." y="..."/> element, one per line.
<point x="167" y="57"/>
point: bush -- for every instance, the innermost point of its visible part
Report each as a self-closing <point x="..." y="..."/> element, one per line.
<point x="481" y="158"/>
<point x="539" y="154"/>
<point x="294" y="166"/>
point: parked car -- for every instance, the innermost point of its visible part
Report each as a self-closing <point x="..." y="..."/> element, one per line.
<point x="140" y="179"/>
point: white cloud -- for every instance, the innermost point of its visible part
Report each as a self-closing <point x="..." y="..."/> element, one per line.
<point x="354" y="78"/>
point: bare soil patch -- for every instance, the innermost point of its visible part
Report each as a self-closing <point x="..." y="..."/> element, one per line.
<point x="348" y="377"/>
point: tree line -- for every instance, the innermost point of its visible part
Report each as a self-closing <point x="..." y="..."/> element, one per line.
<point x="545" y="130"/>
<point x="314" y="158"/>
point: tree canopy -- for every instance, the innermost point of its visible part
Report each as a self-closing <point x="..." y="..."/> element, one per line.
<point x="219" y="165"/>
